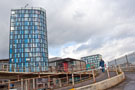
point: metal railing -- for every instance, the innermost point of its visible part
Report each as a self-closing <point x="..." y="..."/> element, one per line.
<point x="6" y="68"/>
<point x="52" y="82"/>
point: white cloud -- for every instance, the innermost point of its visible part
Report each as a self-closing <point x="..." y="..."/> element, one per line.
<point x="96" y="26"/>
<point x="110" y="50"/>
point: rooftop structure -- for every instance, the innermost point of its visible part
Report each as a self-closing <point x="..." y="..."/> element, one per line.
<point x="54" y="59"/>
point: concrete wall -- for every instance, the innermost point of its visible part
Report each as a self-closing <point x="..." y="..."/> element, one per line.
<point x="104" y="84"/>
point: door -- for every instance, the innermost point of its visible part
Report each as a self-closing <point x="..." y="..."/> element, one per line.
<point x="65" y="64"/>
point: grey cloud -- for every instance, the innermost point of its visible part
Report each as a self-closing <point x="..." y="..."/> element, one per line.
<point x="78" y="14"/>
<point x="5" y="7"/>
<point x="98" y="23"/>
<point x="61" y="30"/>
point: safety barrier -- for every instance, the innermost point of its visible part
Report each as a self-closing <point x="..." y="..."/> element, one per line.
<point x="105" y="84"/>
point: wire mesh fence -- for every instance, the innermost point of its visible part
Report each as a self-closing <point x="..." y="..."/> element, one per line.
<point x="128" y="59"/>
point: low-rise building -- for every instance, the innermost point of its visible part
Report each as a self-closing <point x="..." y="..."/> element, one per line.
<point x="4" y="64"/>
<point x="67" y="64"/>
<point x="92" y="61"/>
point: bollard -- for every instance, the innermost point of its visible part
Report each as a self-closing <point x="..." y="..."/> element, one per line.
<point x="38" y="74"/>
<point x="18" y="77"/>
<point x="33" y="83"/>
<point x="2" y="67"/>
<point x="54" y="82"/>
<point x="7" y="67"/>
<point x="49" y="81"/>
<point x="120" y="69"/>
<point x="36" y="85"/>
<point x="93" y="74"/>
<point x="14" y="70"/>
<point x="9" y="85"/>
<point x="73" y="83"/>
<point x="90" y="75"/>
<point x="67" y="78"/>
<point x="108" y="73"/>
<point x="26" y="85"/>
<point x="21" y="84"/>
<point x="60" y="82"/>
<point x="116" y="70"/>
<point x="80" y="77"/>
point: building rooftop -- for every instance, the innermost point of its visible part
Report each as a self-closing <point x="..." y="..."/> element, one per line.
<point x="38" y="8"/>
<point x="66" y="59"/>
<point x="1" y="60"/>
<point x="91" y="55"/>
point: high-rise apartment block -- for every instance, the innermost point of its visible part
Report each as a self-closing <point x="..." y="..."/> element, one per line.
<point x="28" y="47"/>
<point x="92" y="61"/>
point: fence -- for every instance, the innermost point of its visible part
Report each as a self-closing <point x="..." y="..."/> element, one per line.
<point x="128" y="59"/>
<point x="56" y="81"/>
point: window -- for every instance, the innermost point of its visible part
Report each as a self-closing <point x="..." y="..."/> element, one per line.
<point x="26" y="41"/>
<point x="27" y="59"/>
<point x="37" y="40"/>
<point x="26" y="23"/>
<point x="22" y="53"/>
<point x="31" y="15"/>
<point x="26" y="19"/>
<point x="26" y="49"/>
<point x="26" y="15"/>
<point x="26" y="55"/>
<point x="26" y="36"/>
<point x="26" y="64"/>
<point x="26" y="31"/>
<point x="12" y="28"/>
<point x="35" y="36"/>
<point x="36" y="23"/>
<point x="37" y="59"/>
<point x="37" y="49"/>
<point x="16" y="59"/>
<point x="13" y="12"/>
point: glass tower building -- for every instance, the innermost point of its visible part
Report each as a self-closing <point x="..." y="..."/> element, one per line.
<point x="28" y="47"/>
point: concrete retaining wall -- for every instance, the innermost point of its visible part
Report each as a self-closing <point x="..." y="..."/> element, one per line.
<point x="104" y="84"/>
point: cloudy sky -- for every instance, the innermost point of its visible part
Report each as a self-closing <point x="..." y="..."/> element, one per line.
<point x="79" y="28"/>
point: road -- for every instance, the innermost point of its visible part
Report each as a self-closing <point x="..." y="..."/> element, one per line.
<point x="127" y="84"/>
<point x="102" y="76"/>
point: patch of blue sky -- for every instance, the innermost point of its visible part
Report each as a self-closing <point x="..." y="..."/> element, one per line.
<point x="55" y="51"/>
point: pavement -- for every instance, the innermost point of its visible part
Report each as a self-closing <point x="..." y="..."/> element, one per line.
<point x="127" y="84"/>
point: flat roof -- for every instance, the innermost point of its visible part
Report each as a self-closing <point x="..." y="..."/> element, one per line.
<point x="1" y="60"/>
<point x="91" y="55"/>
<point x="66" y="59"/>
<point x="36" y="8"/>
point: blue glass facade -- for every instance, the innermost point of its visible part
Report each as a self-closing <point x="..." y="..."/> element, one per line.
<point x="28" y="48"/>
<point x="92" y="61"/>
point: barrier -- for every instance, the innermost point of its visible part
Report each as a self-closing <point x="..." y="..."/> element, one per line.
<point x="105" y="84"/>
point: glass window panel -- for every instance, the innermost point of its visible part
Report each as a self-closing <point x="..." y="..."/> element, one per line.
<point x="13" y="12"/>
<point x="26" y="40"/>
<point x="26" y="31"/>
<point x="26" y="36"/>
<point x="27" y="59"/>
<point x="26" y="19"/>
<point x="12" y="28"/>
<point x="26" y="55"/>
<point x="26" y="15"/>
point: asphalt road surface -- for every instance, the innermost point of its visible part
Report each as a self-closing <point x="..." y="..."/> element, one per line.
<point x="127" y="84"/>
<point x="102" y="76"/>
